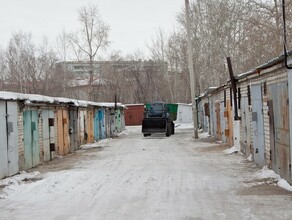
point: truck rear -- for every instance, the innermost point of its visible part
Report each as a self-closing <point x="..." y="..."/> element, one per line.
<point x="157" y="119"/>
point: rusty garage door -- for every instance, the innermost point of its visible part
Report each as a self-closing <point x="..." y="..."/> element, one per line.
<point x="279" y="129"/>
<point x="63" y="132"/>
<point x="218" y="122"/>
<point x="134" y="114"/>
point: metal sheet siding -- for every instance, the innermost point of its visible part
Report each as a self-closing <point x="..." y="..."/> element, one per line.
<point x="218" y="123"/>
<point x="13" y="166"/>
<point x="222" y="122"/>
<point x="66" y="131"/>
<point x="229" y="123"/>
<point x="73" y="129"/>
<point x="82" y="128"/>
<point x="258" y="125"/>
<point x="108" y="123"/>
<point x="118" y="120"/>
<point x="101" y="118"/>
<point x="212" y="118"/>
<point x="3" y="141"/>
<point x="245" y="127"/>
<point x="27" y="136"/>
<point x="113" y="122"/>
<point x="96" y="126"/>
<point x="134" y="115"/>
<point x="60" y="133"/>
<point x="90" y="127"/>
<point x="35" y="139"/>
<point x="31" y="139"/>
<point x="290" y="116"/>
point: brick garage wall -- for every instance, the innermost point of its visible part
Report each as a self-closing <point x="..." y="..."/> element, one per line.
<point x="20" y="139"/>
<point x="270" y="76"/>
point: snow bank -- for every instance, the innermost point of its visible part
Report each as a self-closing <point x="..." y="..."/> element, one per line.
<point x="249" y="157"/>
<point x="204" y="135"/>
<point x="231" y="150"/>
<point x="125" y="132"/>
<point x="96" y="144"/>
<point x="266" y="173"/>
<point x="11" y="184"/>
<point x="284" y="184"/>
<point x="184" y="126"/>
<point x="30" y="98"/>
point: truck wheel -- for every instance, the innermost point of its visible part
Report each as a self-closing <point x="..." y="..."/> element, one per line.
<point x="168" y="131"/>
<point x="172" y="128"/>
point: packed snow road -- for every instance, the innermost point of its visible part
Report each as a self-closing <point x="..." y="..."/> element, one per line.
<point x="132" y="177"/>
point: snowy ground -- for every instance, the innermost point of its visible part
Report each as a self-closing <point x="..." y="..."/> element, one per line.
<point x="132" y="177"/>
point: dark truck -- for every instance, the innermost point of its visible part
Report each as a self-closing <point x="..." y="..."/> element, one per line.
<point x="157" y="119"/>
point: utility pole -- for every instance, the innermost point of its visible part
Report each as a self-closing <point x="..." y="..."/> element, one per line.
<point x="191" y="68"/>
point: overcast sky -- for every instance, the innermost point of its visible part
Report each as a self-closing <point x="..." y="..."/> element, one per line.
<point x="132" y="22"/>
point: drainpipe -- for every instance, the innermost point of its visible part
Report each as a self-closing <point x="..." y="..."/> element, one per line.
<point x="236" y="121"/>
<point x="285" y="38"/>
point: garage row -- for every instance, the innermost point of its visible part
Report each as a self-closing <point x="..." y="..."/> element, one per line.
<point x="260" y="124"/>
<point x="36" y="129"/>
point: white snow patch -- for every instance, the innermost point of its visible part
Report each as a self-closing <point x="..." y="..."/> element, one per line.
<point x="249" y="157"/>
<point x="266" y="173"/>
<point x="96" y="144"/>
<point x="133" y="129"/>
<point x="30" y="98"/>
<point x="284" y="184"/>
<point x="104" y="141"/>
<point x="231" y="150"/>
<point x="204" y="135"/>
<point x="184" y="126"/>
<point x="11" y="184"/>
<point x="124" y="132"/>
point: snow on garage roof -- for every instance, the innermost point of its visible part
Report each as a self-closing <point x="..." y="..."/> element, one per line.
<point x="32" y="98"/>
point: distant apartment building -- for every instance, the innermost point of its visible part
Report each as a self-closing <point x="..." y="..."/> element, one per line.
<point x="130" y="81"/>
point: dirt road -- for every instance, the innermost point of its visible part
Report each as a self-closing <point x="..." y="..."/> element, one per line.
<point x="132" y="177"/>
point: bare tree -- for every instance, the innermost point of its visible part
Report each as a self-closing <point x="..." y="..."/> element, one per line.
<point x="21" y="62"/>
<point x="62" y="46"/>
<point x="249" y="31"/>
<point x="30" y="68"/>
<point x="90" y="37"/>
<point x="3" y="70"/>
<point x="157" y="49"/>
